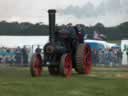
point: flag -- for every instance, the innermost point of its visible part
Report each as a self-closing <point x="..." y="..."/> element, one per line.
<point x="102" y="36"/>
<point x="98" y="36"/>
<point x="85" y="36"/>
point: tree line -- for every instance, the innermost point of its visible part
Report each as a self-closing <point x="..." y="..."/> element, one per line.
<point x="27" y="29"/>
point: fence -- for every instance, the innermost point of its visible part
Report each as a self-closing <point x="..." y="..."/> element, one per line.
<point x="17" y="56"/>
<point x="22" y="56"/>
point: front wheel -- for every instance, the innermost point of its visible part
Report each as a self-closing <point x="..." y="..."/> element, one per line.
<point x="36" y="65"/>
<point x="66" y="65"/>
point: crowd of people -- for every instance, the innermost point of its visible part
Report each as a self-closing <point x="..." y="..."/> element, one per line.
<point x="112" y="56"/>
<point x="19" y="56"/>
<point x="14" y="55"/>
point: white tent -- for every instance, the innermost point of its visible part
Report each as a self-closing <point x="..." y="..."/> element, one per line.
<point x="124" y="58"/>
<point x="104" y="43"/>
<point x="14" y="41"/>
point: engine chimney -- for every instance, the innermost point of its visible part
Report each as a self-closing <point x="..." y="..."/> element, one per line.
<point x="52" y="27"/>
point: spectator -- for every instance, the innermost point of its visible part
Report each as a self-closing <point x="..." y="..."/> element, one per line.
<point x="10" y="57"/>
<point x="18" y="55"/>
<point x="94" y="56"/>
<point x="38" y="49"/>
<point x="119" y="56"/>
<point x="110" y="56"/>
<point x="114" y="50"/>
<point x="25" y="55"/>
<point x="106" y="60"/>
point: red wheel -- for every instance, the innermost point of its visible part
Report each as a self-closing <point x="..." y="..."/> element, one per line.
<point x="35" y="66"/>
<point x="87" y="59"/>
<point x="83" y="59"/>
<point x="66" y="65"/>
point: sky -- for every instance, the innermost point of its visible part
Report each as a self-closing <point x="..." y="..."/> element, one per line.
<point x="88" y="12"/>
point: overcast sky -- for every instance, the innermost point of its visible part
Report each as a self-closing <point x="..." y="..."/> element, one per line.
<point x="89" y="12"/>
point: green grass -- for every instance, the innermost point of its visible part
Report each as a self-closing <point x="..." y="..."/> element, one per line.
<point x="102" y="82"/>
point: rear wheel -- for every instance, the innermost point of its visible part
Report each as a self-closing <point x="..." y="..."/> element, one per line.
<point x="83" y="59"/>
<point x="66" y="65"/>
<point x="36" y="65"/>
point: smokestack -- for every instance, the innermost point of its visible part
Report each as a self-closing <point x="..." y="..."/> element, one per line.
<point x="51" y="24"/>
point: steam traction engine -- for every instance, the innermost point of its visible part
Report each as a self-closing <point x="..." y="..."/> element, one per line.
<point x="63" y="52"/>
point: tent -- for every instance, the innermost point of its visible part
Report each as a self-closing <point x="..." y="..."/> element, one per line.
<point x="124" y="43"/>
<point x="14" y="41"/>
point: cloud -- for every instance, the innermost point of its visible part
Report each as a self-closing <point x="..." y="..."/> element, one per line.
<point x="20" y="8"/>
<point x="106" y="10"/>
<point x="5" y="8"/>
<point x="88" y="10"/>
<point x="105" y="7"/>
<point x="76" y="11"/>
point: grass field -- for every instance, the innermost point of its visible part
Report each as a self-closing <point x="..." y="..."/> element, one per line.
<point x="102" y="82"/>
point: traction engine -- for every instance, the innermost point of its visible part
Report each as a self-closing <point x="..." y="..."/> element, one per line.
<point x="62" y="53"/>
